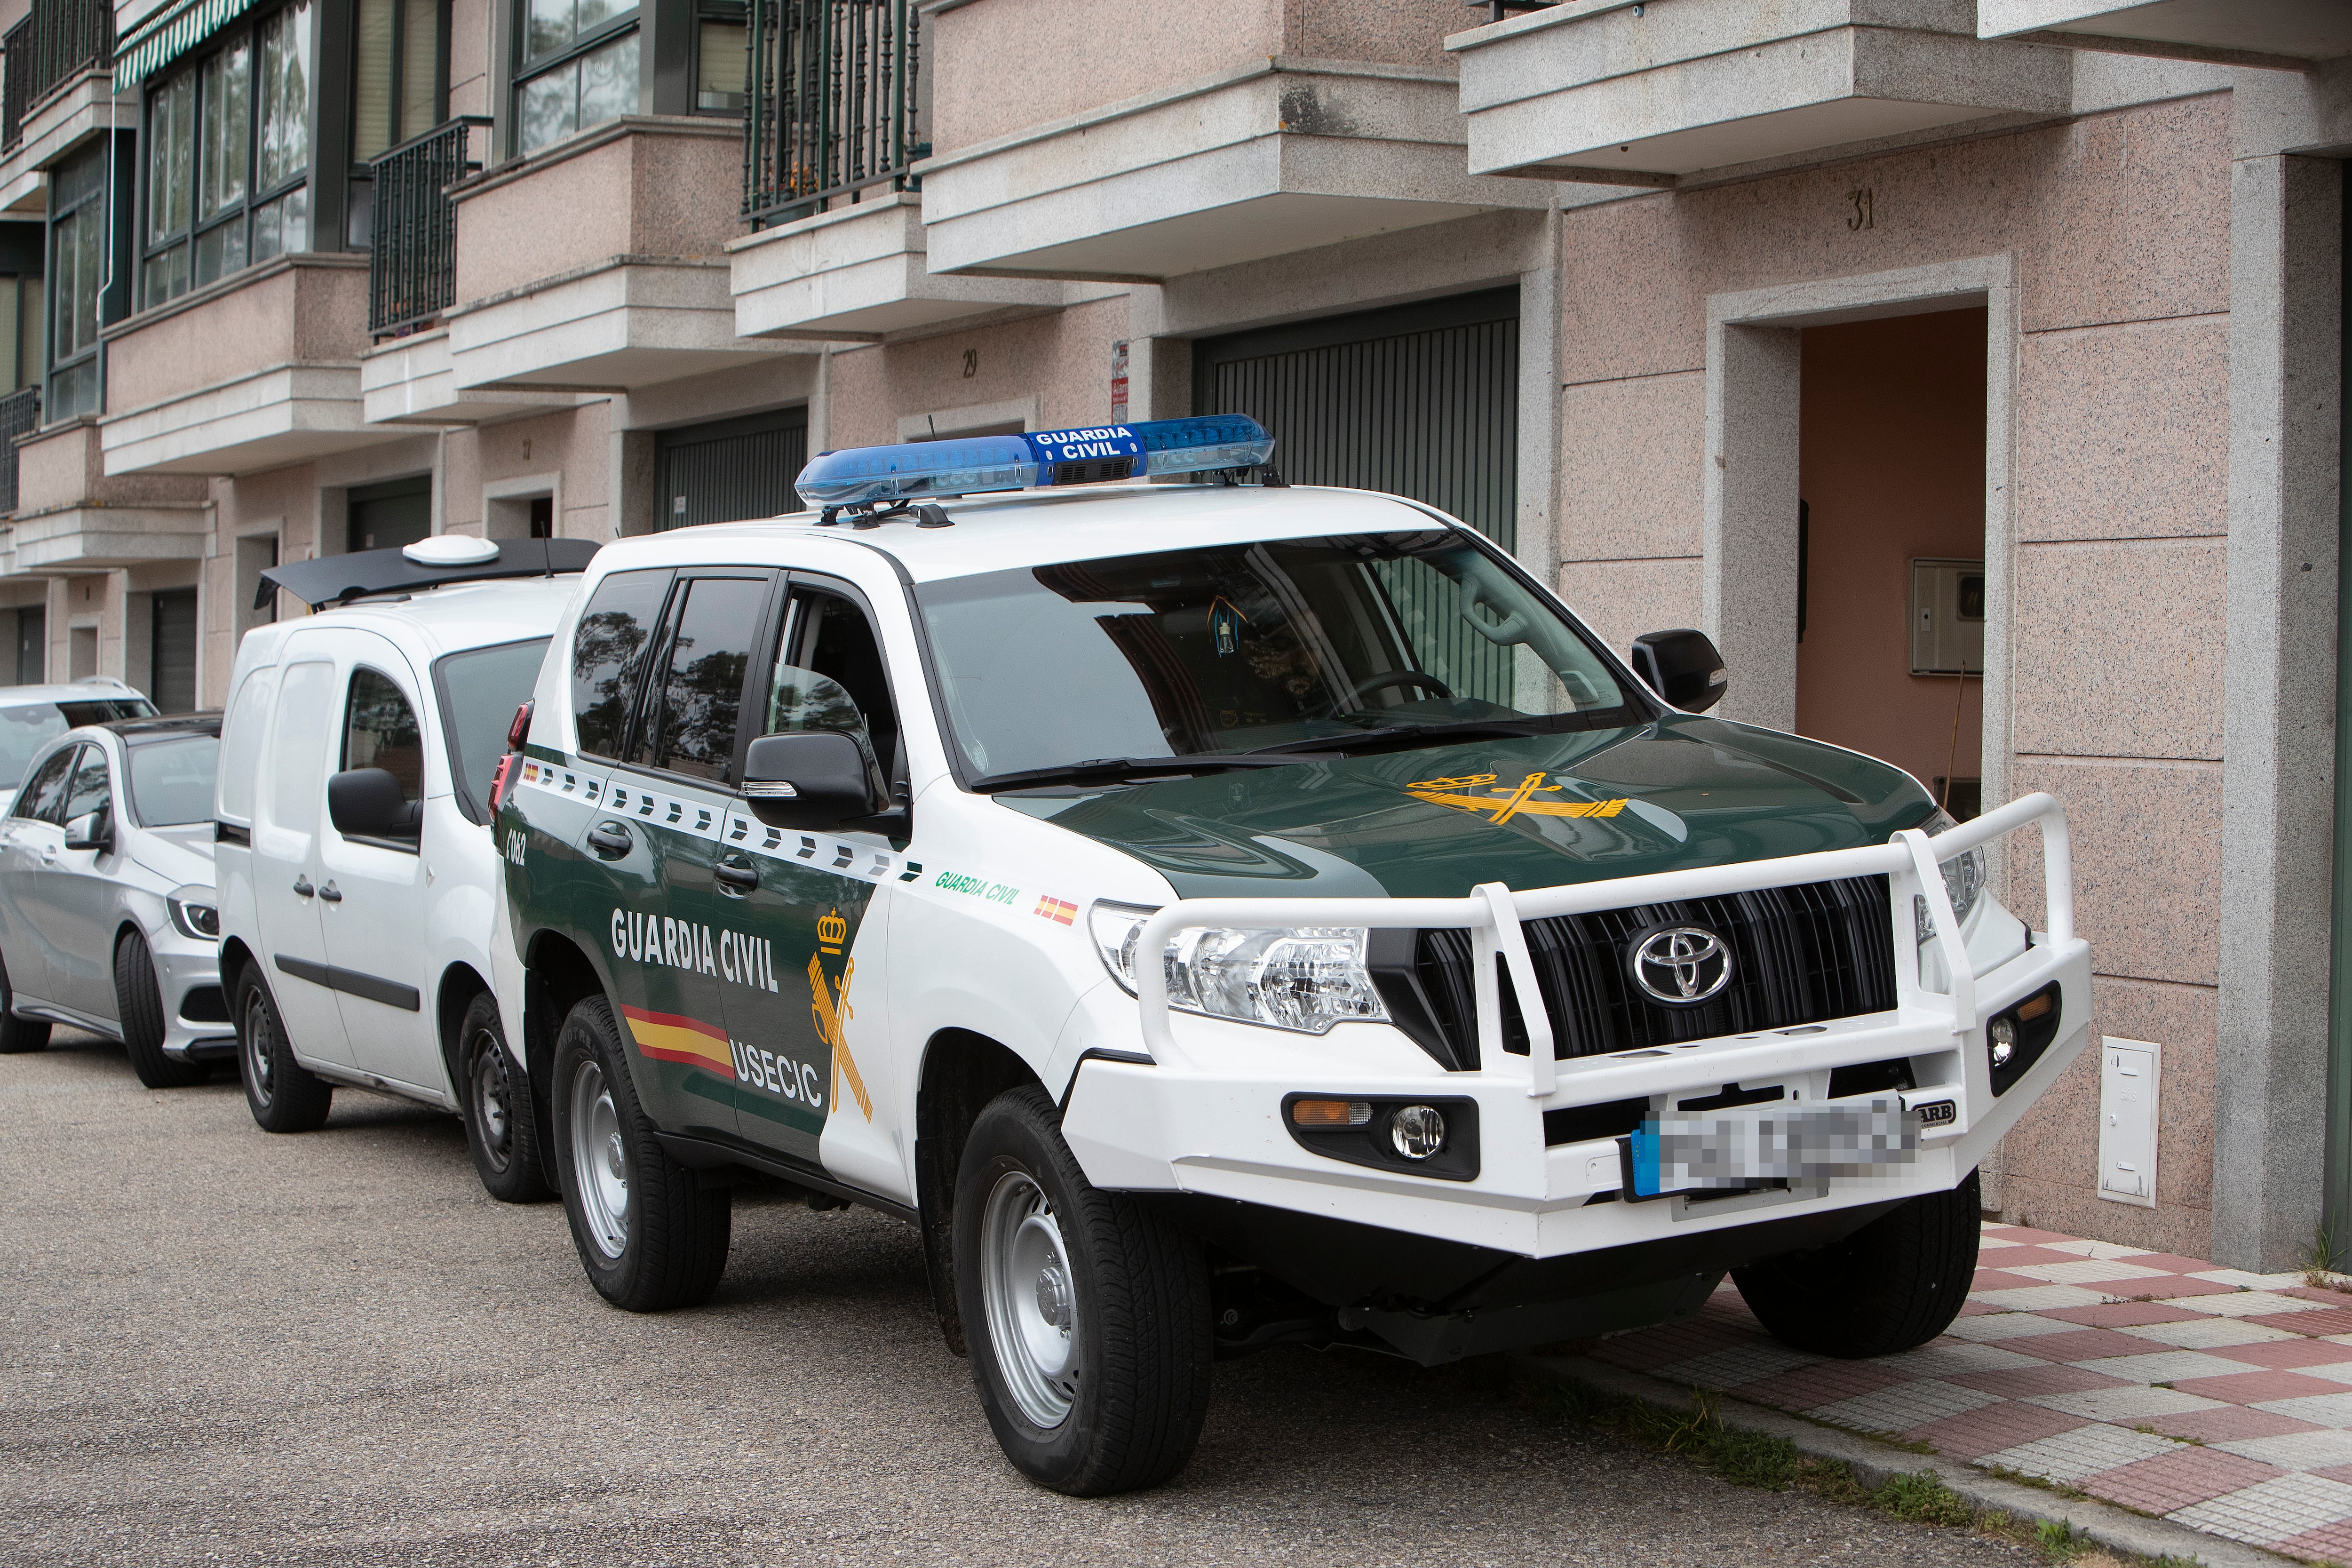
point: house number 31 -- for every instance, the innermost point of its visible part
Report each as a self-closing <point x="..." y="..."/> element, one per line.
<point x="1864" y="216"/>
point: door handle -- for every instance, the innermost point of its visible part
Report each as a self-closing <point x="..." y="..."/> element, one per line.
<point x="48" y="853"/>
<point x="609" y="839"/>
<point x="302" y="887"/>
<point x="739" y="875"/>
<point x="332" y="894"/>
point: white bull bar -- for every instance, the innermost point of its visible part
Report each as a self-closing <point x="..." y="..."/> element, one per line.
<point x="1494" y="914"/>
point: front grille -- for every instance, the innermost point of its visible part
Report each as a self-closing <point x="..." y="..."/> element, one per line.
<point x="1801" y="956"/>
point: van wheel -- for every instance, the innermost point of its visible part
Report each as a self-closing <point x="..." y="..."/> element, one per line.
<point x="1086" y="1316"/>
<point x="650" y="1237"/>
<point x="1891" y="1286"/>
<point x="286" y="1095"/>
<point x="139" y="1005"/>
<point x="499" y="1127"/>
<point x="17" y="1034"/>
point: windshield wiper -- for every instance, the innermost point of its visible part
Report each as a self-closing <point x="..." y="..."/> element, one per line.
<point x="1397" y="734"/>
<point x="1141" y="767"/>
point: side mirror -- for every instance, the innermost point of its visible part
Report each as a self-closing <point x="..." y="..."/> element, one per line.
<point x="808" y="780"/>
<point x="1682" y="667"/>
<point x="367" y="802"/>
<point x="91" y="830"/>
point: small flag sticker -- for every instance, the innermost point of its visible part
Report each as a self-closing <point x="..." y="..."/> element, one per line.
<point x="1054" y="909"/>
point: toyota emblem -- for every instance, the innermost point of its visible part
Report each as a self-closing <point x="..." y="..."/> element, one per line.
<point x="1681" y="965"/>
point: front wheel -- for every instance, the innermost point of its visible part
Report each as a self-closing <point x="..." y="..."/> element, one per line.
<point x="285" y="1096"/>
<point x="139" y="1005"/>
<point x="500" y="1127"/>
<point x="1087" y="1315"/>
<point x="650" y="1237"/>
<point x="1891" y="1286"/>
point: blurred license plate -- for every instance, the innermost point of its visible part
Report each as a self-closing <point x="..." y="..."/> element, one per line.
<point x="1717" y="1154"/>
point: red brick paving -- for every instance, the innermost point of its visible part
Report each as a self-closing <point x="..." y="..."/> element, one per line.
<point x="2025" y="1381"/>
<point x="2225" y="1424"/>
<point x="2122" y="1314"/>
<point x="2258" y="1387"/>
<point x="1825" y="1383"/>
<point x="2316" y="1322"/>
<point x="1973" y="1434"/>
<point x="2284" y="1356"/>
<point x="2175" y="1480"/>
<point x="2081" y="1345"/>
<point x="2329" y="1543"/>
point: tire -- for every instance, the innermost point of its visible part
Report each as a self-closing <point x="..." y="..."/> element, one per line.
<point x="1086" y="1316"/>
<point x="1891" y="1286"/>
<point x="650" y="1237"/>
<point x="285" y="1096"/>
<point x="500" y="1128"/>
<point x="18" y="1035"/>
<point x="139" y="1005"/>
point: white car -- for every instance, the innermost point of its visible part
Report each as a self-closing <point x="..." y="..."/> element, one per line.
<point x="357" y="882"/>
<point x="33" y="716"/>
<point x="1221" y="914"/>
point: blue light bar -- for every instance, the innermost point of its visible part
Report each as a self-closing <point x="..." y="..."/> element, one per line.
<point x="865" y="476"/>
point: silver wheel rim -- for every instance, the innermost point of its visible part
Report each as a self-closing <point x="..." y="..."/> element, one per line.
<point x="600" y="1161"/>
<point x="1033" y="1304"/>
<point x="491" y="1101"/>
<point x="257" y="1046"/>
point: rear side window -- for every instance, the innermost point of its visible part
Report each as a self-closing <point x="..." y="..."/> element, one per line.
<point x="45" y="793"/>
<point x="380" y="732"/>
<point x="694" y="729"/>
<point x="607" y="653"/>
<point x="88" y="792"/>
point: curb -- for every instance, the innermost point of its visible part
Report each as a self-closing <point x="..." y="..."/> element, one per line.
<point x="1872" y="1462"/>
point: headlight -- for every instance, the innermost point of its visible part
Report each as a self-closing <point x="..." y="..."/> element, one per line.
<point x="195" y="914"/>
<point x="1964" y="879"/>
<point x="1306" y="978"/>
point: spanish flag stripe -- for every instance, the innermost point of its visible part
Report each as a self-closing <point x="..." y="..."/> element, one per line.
<point x="666" y="1037"/>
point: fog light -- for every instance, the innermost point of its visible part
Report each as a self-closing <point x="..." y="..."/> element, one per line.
<point x="1418" y="1132"/>
<point x="2004" y="1041"/>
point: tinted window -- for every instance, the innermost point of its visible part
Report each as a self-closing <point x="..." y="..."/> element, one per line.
<point x="24" y="730"/>
<point x="380" y="732"/>
<point x="605" y="652"/>
<point x="106" y="710"/>
<point x="827" y="637"/>
<point x="703" y="695"/>
<point x="88" y="792"/>
<point x="46" y="791"/>
<point x="171" y="781"/>
<point x="480" y="689"/>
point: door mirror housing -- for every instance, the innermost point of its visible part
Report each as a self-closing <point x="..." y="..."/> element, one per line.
<point x="91" y="830"/>
<point x="809" y="779"/>
<point x="1682" y="667"/>
<point x="368" y="803"/>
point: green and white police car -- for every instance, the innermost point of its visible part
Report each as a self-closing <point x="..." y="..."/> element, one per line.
<point x="1219" y="914"/>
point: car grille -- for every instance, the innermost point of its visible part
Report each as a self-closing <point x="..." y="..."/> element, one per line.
<point x="1801" y="955"/>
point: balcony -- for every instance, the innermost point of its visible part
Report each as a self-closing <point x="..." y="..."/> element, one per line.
<point x="1203" y="137"/>
<point x="72" y="516"/>
<point x="20" y="413"/>
<point x="257" y="370"/>
<point x="1612" y="92"/>
<point x="623" y="279"/>
<point x="55" y="94"/>
<point x="2288" y="32"/>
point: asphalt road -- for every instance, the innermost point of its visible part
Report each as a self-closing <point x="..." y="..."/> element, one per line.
<point x="227" y="1347"/>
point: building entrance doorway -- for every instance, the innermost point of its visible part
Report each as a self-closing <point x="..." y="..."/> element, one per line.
<point x="1891" y="588"/>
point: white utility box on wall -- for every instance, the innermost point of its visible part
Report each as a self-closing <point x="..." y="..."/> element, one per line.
<point x="1947" y="618"/>
<point x="2127" y="1078"/>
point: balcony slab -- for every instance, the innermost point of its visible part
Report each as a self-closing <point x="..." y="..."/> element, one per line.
<point x="1263" y="159"/>
<point x="2226" y="31"/>
<point x="56" y="128"/>
<point x="412" y="381"/>
<point x="623" y="322"/>
<point x="99" y="537"/>
<point x="275" y="416"/>
<point x="859" y="274"/>
<point x="1621" y="94"/>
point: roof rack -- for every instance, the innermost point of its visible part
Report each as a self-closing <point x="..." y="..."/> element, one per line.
<point x="333" y="579"/>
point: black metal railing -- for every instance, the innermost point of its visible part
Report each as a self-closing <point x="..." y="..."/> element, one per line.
<point x="57" y="39"/>
<point x="413" y="251"/>
<point x="832" y="110"/>
<point x="20" y="415"/>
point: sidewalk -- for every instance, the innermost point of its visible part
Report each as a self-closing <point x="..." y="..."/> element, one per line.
<point x="2219" y="1400"/>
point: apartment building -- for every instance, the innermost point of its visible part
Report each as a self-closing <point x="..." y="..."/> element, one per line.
<point x="1971" y="370"/>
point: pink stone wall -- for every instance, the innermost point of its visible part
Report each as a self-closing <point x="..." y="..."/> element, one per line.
<point x="2119" y="226"/>
<point x="574" y="443"/>
<point x="64" y="467"/>
<point x="313" y="311"/>
<point x="1062" y="359"/>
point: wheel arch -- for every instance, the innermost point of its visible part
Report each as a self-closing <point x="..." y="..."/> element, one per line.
<point x="460" y="983"/>
<point x="963" y="1070"/>
<point x="558" y="974"/>
<point x="233" y="957"/>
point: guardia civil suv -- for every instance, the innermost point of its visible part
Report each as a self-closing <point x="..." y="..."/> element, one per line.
<point x="1223" y="913"/>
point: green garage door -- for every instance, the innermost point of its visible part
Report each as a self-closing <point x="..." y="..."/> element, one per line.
<point x="1420" y="401"/>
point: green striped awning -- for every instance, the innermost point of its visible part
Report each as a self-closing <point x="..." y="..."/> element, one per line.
<point x="166" y="36"/>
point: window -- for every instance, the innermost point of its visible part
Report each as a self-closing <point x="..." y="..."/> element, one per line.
<point x="702" y="690"/>
<point x="77" y="273"/>
<point x="829" y="675"/>
<point x="612" y="634"/>
<point x="170" y="782"/>
<point x="578" y="67"/>
<point x="45" y="792"/>
<point x="229" y="157"/>
<point x="380" y="732"/>
<point x="480" y="689"/>
<point x="397" y="74"/>
<point x="88" y="792"/>
<point x="722" y="59"/>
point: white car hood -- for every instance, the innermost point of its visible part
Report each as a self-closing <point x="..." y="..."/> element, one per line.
<point x="179" y="854"/>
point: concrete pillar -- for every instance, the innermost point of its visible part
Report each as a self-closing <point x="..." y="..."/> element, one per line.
<point x="2278" y="727"/>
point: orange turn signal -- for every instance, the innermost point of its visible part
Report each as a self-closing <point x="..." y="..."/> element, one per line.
<point x="2037" y="1006"/>
<point x="1330" y="1112"/>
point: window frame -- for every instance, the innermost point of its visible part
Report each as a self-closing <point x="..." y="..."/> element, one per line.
<point x="527" y="69"/>
<point x="17" y="808"/>
<point x="396" y="86"/>
<point x="460" y="789"/>
<point x="634" y="698"/>
<point x="405" y="846"/>
<point x="643" y="742"/>
<point x="737" y="12"/>
<point x="90" y="204"/>
<point x="245" y="211"/>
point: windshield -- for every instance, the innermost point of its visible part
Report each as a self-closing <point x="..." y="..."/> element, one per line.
<point x="26" y="726"/>
<point x="172" y="781"/>
<point x="1238" y="648"/>
<point x="480" y="689"/>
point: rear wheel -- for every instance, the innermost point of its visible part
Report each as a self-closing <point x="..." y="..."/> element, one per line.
<point x="649" y="1235"/>
<point x="1895" y="1284"/>
<point x="500" y="1127"/>
<point x="138" y="1003"/>
<point x="1086" y="1316"/>
<point x="17" y="1034"/>
<point x="286" y="1095"/>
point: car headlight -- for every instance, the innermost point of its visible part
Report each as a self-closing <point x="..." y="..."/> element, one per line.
<point x="1306" y="978"/>
<point x="195" y="914"/>
<point x="1964" y="879"/>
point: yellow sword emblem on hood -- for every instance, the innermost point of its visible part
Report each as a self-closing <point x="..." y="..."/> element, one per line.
<point x="1506" y="801"/>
